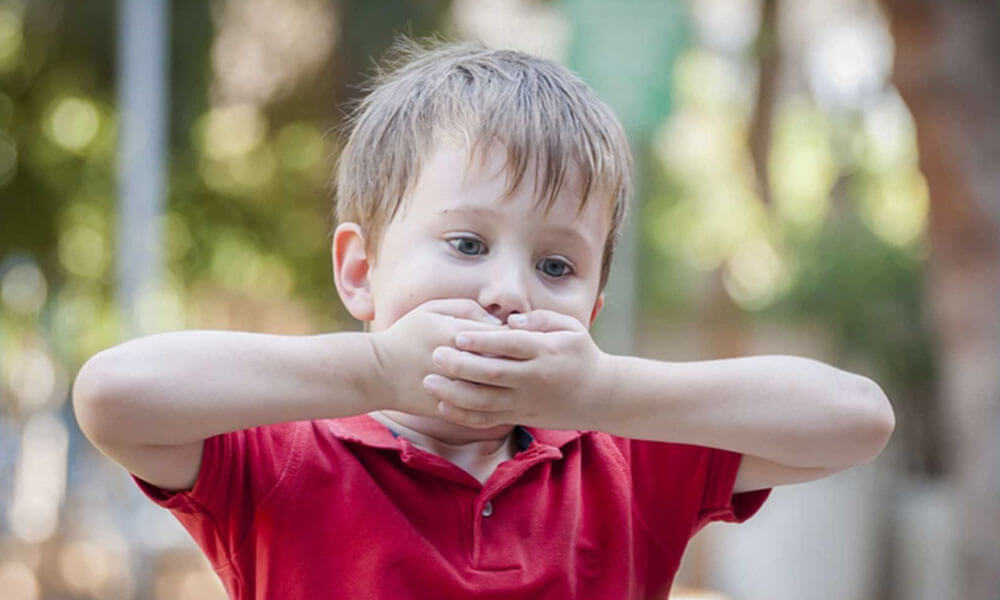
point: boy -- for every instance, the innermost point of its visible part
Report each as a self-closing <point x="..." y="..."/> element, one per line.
<point x="477" y="188"/>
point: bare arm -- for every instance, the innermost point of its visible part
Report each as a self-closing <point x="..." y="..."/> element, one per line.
<point x="787" y="410"/>
<point x="150" y="402"/>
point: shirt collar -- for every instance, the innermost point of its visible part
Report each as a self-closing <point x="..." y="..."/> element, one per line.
<point x="363" y="429"/>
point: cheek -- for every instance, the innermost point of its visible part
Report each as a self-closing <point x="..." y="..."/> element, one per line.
<point x="415" y="278"/>
<point x="575" y="301"/>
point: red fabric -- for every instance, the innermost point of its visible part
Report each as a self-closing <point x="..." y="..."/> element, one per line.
<point x="342" y="508"/>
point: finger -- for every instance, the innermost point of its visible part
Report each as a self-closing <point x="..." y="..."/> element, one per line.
<point x="464" y="308"/>
<point x="469" y="366"/>
<point x="521" y="345"/>
<point x="468" y="396"/>
<point x="545" y="320"/>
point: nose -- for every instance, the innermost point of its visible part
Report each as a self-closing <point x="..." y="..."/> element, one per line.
<point x="505" y="290"/>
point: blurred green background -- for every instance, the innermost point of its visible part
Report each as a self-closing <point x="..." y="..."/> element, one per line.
<point x="783" y="207"/>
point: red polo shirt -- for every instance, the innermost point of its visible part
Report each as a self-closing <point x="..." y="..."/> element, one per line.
<point x="343" y="508"/>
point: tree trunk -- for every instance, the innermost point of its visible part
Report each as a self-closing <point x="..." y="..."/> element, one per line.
<point x="948" y="72"/>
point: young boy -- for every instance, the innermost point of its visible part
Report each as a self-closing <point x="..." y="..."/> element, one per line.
<point x="452" y="450"/>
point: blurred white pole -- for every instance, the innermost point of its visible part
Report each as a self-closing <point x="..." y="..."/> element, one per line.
<point x="143" y="27"/>
<point x="142" y="105"/>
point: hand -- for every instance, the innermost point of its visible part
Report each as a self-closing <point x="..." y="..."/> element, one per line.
<point x="546" y="372"/>
<point x="403" y="351"/>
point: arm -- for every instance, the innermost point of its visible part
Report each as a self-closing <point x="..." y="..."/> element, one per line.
<point x="149" y="403"/>
<point x="794" y="419"/>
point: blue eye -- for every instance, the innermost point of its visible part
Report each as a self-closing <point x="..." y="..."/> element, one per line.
<point x="464" y="244"/>
<point x="470" y="246"/>
<point x="562" y="268"/>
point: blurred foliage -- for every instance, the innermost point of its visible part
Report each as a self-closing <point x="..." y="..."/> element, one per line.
<point x="248" y="214"/>
<point x="843" y="244"/>
<point x="247" y="218"/>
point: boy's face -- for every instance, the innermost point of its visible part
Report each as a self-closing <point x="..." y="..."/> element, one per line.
<point x="456" y="238"/>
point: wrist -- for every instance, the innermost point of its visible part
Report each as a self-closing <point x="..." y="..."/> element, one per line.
<point x="374" y="383"/>
<point x="608" y="386"/>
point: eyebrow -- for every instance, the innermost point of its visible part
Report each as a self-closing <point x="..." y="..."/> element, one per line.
<point x="562" y="230"/>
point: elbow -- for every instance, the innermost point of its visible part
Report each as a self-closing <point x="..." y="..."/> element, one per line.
<point x="886" y="421"/>
<point x="879" y="419"/>
<point x="866" y="420"/>
<point x="93" y="397"/>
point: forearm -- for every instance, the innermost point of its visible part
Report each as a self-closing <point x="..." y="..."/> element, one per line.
<point x="790" y="410"/>
<point x="184" y="386"/>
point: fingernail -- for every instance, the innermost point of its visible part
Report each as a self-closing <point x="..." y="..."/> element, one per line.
<point x="438" y="355"/>
<point x="494" y="319"/>
<point x="517" y="319"/>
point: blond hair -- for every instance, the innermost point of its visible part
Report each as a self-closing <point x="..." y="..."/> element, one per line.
<point x="538" y="110"/>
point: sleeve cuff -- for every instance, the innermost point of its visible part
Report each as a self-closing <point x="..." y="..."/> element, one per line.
<point x="205" y="486"/>
<point x="720" y="503"/>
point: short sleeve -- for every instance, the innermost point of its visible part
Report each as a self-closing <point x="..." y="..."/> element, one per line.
<point x="680" y="488"/>
<point x="239" y="471"/>
<point x="719" y="502"/>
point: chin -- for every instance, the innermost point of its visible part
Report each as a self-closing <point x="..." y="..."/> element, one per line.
<point x="454" y="433"/>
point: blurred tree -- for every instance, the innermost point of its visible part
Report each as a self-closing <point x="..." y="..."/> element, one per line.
<point x="771" y="206"/>
<point x="768" y="53"/>
<point x="948" y="71"/>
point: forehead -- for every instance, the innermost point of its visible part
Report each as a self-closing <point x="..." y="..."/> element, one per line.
<point x="453" y="182"/>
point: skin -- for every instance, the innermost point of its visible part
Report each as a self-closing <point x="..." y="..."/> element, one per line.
<point x="511" y="258"/>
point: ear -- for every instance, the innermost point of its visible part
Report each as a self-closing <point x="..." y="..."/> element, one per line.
<point x="597" y="308"/>
<point x="351" y="271"/>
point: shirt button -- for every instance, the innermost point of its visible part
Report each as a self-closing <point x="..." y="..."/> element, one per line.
<point x="487" y="509"/>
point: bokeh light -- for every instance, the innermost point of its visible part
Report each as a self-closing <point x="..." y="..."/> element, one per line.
<point x="802" y="165"/>
<point x="23" y="288"/>
<point x="35" y="379"/>
<point x="161" y="309"/>
<point x="40" y="481"/>
<point x="84" y="251"/>
<point x="73" y="123"/>
<point x="11" y="38"/>
<point x="896" y="207"/>
<point x="231" y="131"/>
<point x="755" y="274"/>
<point x="536" y="27"/>
<point x="848" y="62"/>
<point x="265" y="47"/>
<point x="85" y="566"/>
<point x="18" y="581"/>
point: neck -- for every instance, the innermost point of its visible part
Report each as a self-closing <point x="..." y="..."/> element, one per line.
<point x="440" y="435"/>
